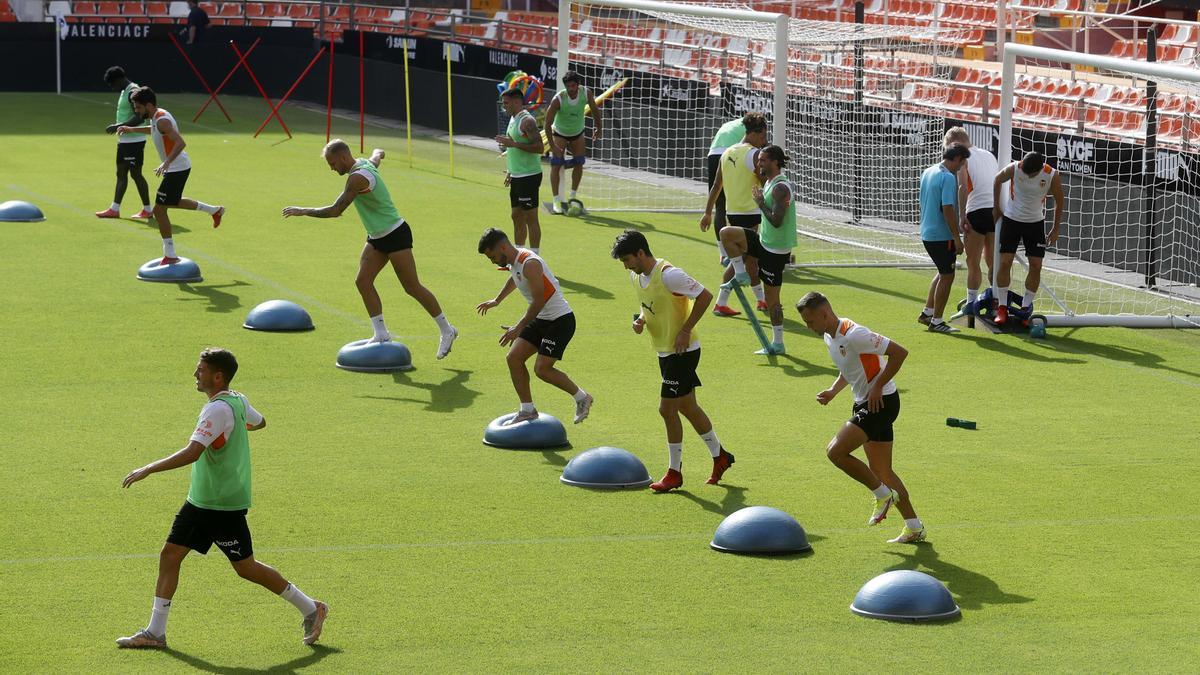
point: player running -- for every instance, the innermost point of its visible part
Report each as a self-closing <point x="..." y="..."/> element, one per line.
<point x="1025" y="223"/>
<point x="175" y="168"/>
<point x="389" y="238"/>
<point x="545" y="330"/>
<point x="217" y="501"/>
<point x="565" y="119"/>
<point x="672" y="303"/>
<point x="131" y="150"/>
<point x="856" y="352"/>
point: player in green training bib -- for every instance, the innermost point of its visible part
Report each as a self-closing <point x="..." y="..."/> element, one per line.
<point x="522" y="146"/>
<point x="389" y="238"/>
<point x="131" y="148"/>
<point x="565" y="118"/>
<point x="216" y="505"/>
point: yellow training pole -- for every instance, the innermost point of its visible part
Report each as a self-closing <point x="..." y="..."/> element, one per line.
<point x="407" y="106"/>
<point x="450" y="107"/>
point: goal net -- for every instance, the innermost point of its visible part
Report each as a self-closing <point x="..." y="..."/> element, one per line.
<point x="1124" y="136"/>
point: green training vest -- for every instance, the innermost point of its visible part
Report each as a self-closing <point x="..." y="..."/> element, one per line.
<point x="569" y="120"/>
<point x="784" y="236"/>
<point x="664" y="312"/>
<point x="520" y="162"/>
<point x="730" y="134"/>
<point x="221" y="478"/>
<point x="375" y="208"/>
<point x="124" y="105"/>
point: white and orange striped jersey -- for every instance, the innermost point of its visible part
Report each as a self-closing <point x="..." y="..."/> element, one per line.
<point x="556" y="305"/>
<point x="981" y="172"/>
<point x="1027" y="194"/>
<point x="165" y="145"/>
<point x="858" y="354"/>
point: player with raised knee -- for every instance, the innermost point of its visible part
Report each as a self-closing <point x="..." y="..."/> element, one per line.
<point x="131" y="149"/>
<point x="565" y="117"/>
<point x="217" y="500"/>
<point x="1024" y="223"/>
<point x="737" y="176"/>
<point x="672" y="304"/>
<point x="389" y="238"/>
<point x="546" y="328"/>
<point x="522" y="144"/>
<point x="858" y="354"/>
<point x="728" y="135"/>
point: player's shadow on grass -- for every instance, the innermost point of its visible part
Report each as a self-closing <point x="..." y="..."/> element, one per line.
<point x="590" y="291"/>
<point x="733" y="499"/>
<point x="218" y="300"/>
<point x="1005" y="344"/>
<point x="642" y="226"/>
<point x="153" y="224"/>
<point x="319" y="652"/>
<point x="971" y="590"/>
<point x="444" y="397"/>
<point x="554" y="459"/>
<point x="1137" y="357"/>
<point x="815" y="277"/>
<point x="793" y="366"/>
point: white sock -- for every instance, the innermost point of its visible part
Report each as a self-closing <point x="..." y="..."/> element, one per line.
<point x="536" y="250"/>
<point x="721" y="248"/>
<point x="913" y="523"/>
<point x="1002" y="295"/>
<point x="928" y="311"/>
<point x="169" y="247"/>
<point x="760" y="293"/>
<point x="936" y="321"/>
<point x="714" y="445"/>
<point x="579" y="395"/>
<point x="301" y="601"/>
<point x="739" y="265"/>
<point x="557" y="199"/>
<point x="146" y="207"/>
<point x="723" y="297"/>
<point x="381" y="330"/>
<point x="1027" y="301"/>
<point x="882" y="491"/>
<point x="572" y="195"/>
<point x="158" y="617"/>
<point x="527" y="407"/>
<point x="675" y="455"/>
<point x="443" y="323"/>
<point x="207" y="208"/>
<point x="777" y="334"/>
<point x="972" y="294"/>
<point x="115" y="207"/>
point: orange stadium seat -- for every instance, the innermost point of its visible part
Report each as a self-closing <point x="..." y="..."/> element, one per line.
<point x="84" y="8"/>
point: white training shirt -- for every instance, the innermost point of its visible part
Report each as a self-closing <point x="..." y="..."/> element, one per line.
<point x="679" y="283"/>
<point x="165" y="145"/>
<point x="1027" y="194"/>
<point x="216" y="421"/>
<point x="981" y="175"/>
<point x="858" y="354"/>
<point x="556" y="305"/>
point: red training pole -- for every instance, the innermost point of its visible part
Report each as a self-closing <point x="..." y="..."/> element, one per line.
<point x="198" y="75"/>
<point x="226" y="80"/>
<point x="361" y="89"/>
<point x="279" y="105"/>
<point x="329" y="98"/>
<point x="242" y="62"/>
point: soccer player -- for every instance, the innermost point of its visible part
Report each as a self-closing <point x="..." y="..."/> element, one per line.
<point x="215" y="509"/>
<point x="389" y="238"/>
<point x="672" y="303"/>
<point x="939" y="232"/>
<point x="736" y="176"/>
<point x="1025" y="223"/>
<point x="524" y="147"/>
<point x="130" y="149"/>
<point x="771" y="250"/>
<point x="175" y="168"/>
<point x="729" y="134"/>
<point x="564" y="117"/>
<point x="856" y="351"/>
<point x="545" y="330"/>
<point x="975" y="208"/>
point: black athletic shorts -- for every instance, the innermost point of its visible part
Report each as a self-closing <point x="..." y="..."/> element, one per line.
<point x="131" y="154"/>
<point x="1031" y="235"/>
<point x="770" y="265"/>
<point x="569" y="139"/>
<point x="878" y="425"/>
<point x="679" y="376"/>
<point x="981" y="221"/>
<point x="550" y="336"/>
<point x="714" y="161"/>
<point x="750" y="221"/>
<point x="398" y="239"/>
<point x="523" y="192"/>
<point x="198" y="529"/>
<point x="943" y="255"/>
<point x="170" y="190"/>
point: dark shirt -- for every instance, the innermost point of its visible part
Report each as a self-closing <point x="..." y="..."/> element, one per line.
<point x="198" y="18"/>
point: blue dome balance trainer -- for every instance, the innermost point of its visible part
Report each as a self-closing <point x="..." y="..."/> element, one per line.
<point x="905" y="595"/>
<point x="363" y="356"/>
<point x="278" y="316"/>
<point x="606" y="467"/>
<point x="181" y="271"/>
<point x="16" y="211"/>
<point x="545" y="432"/>
<point x="761" y="530"/>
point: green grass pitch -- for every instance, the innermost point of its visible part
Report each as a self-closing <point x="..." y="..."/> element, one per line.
<point x="1064" y="526"/>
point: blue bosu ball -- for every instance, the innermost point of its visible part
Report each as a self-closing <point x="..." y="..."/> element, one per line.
<point x="16" y="211"/>
<point x="183" y="270"/>
<point x="279" y="316"/>
<point x="904" y="595"/>
<point x="606" y="467"/>
<point x="363" y="356"/>
<point x="760" y="529"/>
<point x="539" y="434"/>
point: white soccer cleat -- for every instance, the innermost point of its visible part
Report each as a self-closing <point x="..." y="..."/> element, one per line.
<point x="909" y="536"/>
<point x="313" y="623"/>
<point x="376" y="339"/>
<point x="446" y="342"/>
<point x="522" y="416"/>
<point x="582" y="408"/>
<point x="143" y="639"/>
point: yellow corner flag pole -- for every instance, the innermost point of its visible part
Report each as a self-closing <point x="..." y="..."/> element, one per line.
<point x="407" y="103"/>
<point x="450" y="107"/>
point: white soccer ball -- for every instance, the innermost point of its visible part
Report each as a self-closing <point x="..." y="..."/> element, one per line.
<point x="575" y="208"/>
